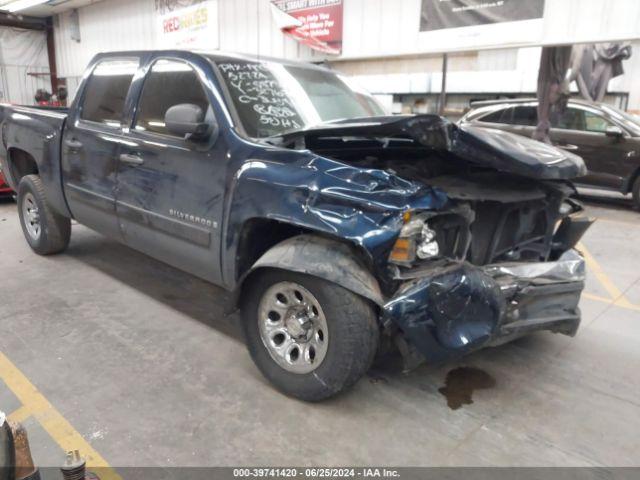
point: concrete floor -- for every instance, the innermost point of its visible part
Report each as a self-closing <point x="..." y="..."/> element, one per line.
<point x="139" y="358"/>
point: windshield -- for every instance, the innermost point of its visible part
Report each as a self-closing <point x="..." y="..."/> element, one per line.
<point x="631" y="122"/>
<point x="273" y="98"/>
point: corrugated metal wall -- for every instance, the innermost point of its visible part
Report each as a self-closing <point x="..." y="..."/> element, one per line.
<point x="373" y="29"/>
<point x="104" y="26"/>
<point x="392" y="27"/>
<point x="247" y="26"/>
<point x="244" y="26"/>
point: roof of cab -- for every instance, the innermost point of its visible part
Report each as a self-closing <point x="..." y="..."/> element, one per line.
<point x="213" y="55"/>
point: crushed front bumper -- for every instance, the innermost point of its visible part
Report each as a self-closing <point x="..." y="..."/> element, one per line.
<point x="452" y="309"/>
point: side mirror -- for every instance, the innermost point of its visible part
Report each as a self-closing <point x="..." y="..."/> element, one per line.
<point x="188" y="120"/>
<point x="614" y="132"/>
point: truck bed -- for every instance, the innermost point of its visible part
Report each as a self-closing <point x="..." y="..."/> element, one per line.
<point x="35" y="131"/>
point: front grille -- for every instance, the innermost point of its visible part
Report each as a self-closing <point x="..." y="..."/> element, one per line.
<point x="512" y="231"/>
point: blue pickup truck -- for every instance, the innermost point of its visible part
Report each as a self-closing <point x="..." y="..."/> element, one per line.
<point x="340" y="231"/>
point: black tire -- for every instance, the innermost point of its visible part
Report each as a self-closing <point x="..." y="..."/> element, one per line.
<point x="55" y="230"/>
<point x="636" y="193"/>
<point x="353" y="336"/>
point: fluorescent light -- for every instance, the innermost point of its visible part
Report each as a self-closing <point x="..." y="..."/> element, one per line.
<point x="22" y="4"/>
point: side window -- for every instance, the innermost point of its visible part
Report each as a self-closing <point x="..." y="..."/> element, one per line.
<point x="526" y="116"/>
<point x="168" y="83"/>
<point x="107" y="90"/>
<point x="571" y="119"/>
<point x="596" y="123"/>
<point x="503" y="115"/>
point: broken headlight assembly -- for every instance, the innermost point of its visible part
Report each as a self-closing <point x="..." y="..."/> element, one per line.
<point x="433" y="235"/>
<point x="417" y="240"/>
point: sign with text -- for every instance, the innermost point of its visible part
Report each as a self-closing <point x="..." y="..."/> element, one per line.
<point x="316" y="23"/>
<point x="195" y="26"/>
<point x="441" y="14"/>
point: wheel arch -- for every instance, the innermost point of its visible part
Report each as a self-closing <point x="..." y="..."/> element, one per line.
<point x="21" y="163"/>
<point x="319" y="256"/>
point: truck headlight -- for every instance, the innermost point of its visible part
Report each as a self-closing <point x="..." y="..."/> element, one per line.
<point x="428" y="246"/>
<point x="417" y="239"/>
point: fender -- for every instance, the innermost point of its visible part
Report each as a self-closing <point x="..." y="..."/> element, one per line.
<point x="38" y="133"/>
<point x="323" y="258"/>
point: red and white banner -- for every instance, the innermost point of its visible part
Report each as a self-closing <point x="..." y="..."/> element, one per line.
<point x="316" y="23"/>
<point x="193" y="26"/>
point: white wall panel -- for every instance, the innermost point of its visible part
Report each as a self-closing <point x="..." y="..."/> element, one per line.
<point x="374" y="29"/>
<point x="104" y="26"/>
<point x="244" y="26"/>
<point x="587" y="21"/>
<point x="378" y="28"/>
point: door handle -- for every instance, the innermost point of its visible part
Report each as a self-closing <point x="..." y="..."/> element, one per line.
<point x="568" y="147"/>
<point x="131" y="159"/>
<point x="73" y="144"/>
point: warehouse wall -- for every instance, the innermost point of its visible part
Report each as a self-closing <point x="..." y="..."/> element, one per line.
<point x="103" y="26"/>
<point x="244" y="26"/>
<point x="390" y="28"/>
<point x="382" y="42"/>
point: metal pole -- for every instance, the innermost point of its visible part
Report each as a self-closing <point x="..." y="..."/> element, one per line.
<point x="51" y="52"/>
<point x="443" y="89"/>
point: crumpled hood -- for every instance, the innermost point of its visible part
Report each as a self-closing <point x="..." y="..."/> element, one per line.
<point x="485" y="147"/>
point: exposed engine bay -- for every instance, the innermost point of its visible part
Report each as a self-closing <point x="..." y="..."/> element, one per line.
<point x="503" y="206"/>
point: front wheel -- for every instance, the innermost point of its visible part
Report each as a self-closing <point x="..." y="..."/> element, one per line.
<point x="46" y="231"/>
<point x="311" y="338"/>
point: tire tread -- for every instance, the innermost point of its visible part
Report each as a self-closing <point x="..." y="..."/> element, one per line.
<point x="56" y="229"/>
<point x="359" y="337"/>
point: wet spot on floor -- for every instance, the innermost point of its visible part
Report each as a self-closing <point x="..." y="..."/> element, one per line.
<point x="461" y="383"/>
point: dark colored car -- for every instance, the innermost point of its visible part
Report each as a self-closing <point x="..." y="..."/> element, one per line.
<point x="607" y="138"/>
<point x="336" y="228"/>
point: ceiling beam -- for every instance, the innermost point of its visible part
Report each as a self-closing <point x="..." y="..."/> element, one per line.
<point x="22" y="21"/>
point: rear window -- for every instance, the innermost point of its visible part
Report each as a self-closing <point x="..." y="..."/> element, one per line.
<point x="504" y="115"/>
<point x="106" y="91"/>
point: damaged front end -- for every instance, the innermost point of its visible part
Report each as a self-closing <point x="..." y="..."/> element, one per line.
<point x="454" y="308"/>
<point x="471" y="284"/>
<point x="493" y="262"/>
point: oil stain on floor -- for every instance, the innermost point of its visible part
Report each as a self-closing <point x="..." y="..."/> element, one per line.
<point x="461" y="383"/>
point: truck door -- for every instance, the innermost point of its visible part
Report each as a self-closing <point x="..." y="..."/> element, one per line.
<point x="171" y="189"/>
<point x="91" y="143"/>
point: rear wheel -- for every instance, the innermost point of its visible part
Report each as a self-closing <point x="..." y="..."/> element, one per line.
<point x="46" y="231"/>
<point x="636" y="193"/>
<point x="311" y="338"/>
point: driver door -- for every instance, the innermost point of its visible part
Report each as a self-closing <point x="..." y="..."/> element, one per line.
<point x="169" y="199"/>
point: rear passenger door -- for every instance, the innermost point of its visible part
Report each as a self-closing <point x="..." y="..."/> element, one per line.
<point x="171" y="189"/>
<point x="91" y="144"/>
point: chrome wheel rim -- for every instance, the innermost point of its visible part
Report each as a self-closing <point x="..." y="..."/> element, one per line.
<point x="293" y="327"/>
<point x="31" y="216"/>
